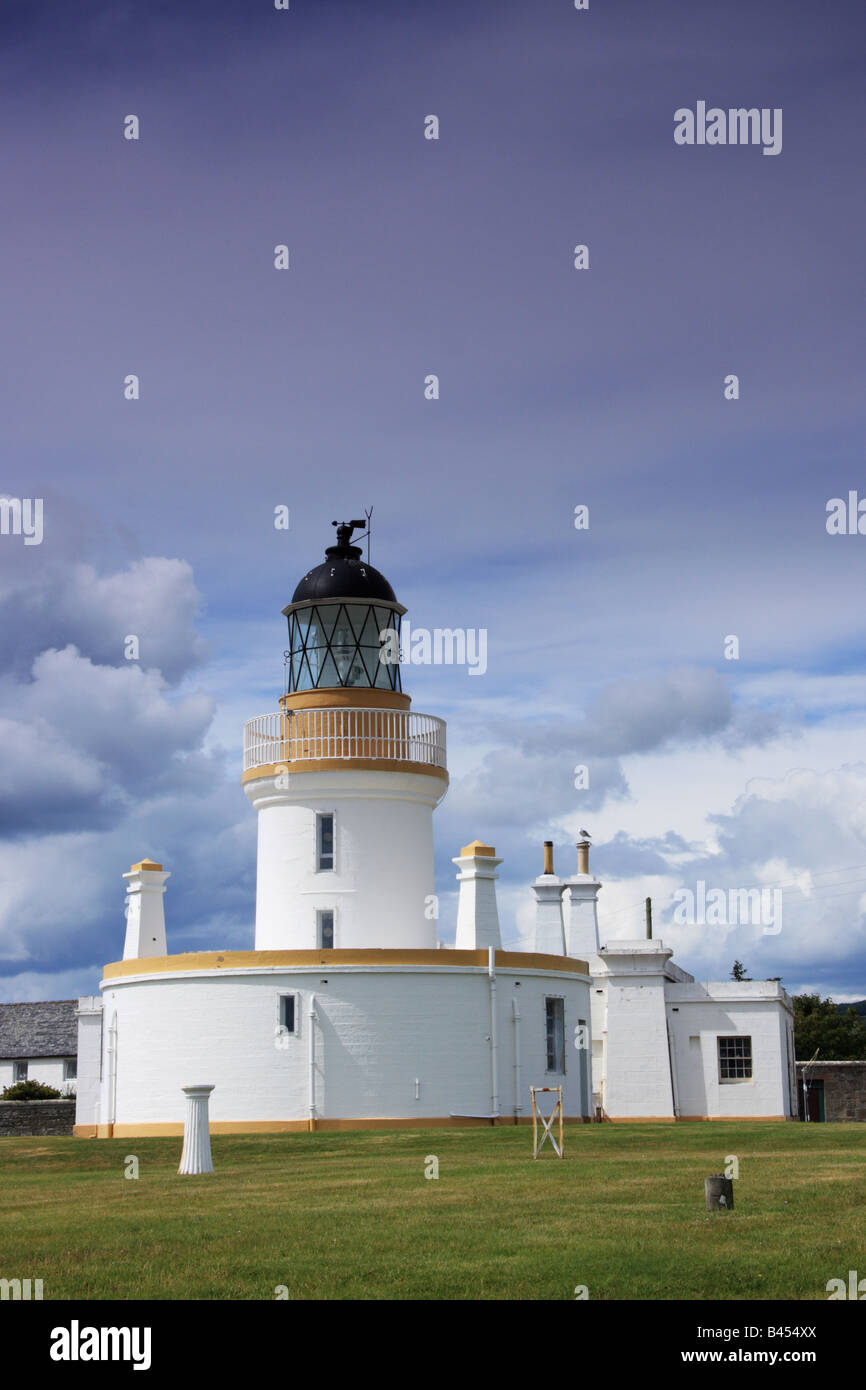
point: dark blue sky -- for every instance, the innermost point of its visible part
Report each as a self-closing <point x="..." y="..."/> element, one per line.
<point x="558" y="387"/>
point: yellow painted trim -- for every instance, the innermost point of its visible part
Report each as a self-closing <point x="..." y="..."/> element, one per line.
<point x="640" y="1119"/>
<point x="478" y="847"/>
<point x="674" y="1119"/>
<point x="174" y="1130"/>
<point x="301" y="765"/>
<point x="249" y="960"/>
<point x="346" y="696"/>
<point x="148" y="865"/>
<point x="733" y="1119"/>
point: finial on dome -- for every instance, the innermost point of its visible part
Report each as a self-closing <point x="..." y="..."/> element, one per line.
<point x="344" y="531"/>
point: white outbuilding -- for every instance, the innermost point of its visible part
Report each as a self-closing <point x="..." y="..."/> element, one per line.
<point x="665" y="1046"/>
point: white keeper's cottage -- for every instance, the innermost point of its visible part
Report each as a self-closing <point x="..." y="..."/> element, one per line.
<point x="347" y="1012"/>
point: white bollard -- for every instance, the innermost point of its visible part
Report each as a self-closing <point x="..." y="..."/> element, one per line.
<point x="196" y="1156"/>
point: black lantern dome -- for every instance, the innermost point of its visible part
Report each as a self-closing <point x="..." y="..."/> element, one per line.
<point x="343" y="574"/>
<point x="344" y="623"/>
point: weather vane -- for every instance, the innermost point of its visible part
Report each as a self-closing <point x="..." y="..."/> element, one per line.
<point x="345" y="529"/>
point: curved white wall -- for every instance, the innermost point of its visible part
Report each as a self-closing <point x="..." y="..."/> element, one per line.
<point x="378" y="1031"/>
<point x="383" y="868"/>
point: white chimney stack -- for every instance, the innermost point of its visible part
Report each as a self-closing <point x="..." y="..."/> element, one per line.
<point x="581" y="908"/>
<point x="145" y="914"/>
<point x="477" y="914"/>
<point x="549" y="936"/>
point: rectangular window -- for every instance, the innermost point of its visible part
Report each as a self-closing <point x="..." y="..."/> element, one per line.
<point x="554" y="1010"/>
<point x="325" y="929"/>
<point x="324" y="842"/>
<point x="735" y="1059"/>
<point x="20" y="1071"/>
<point x="287" y="1013"/>
<point x="70" y="1069"/>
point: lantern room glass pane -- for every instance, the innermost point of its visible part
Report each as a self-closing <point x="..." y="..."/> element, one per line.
<point x="325" y="619"/>
<point x="309" y="670"/>
<point x="339" y="645"/>
<point x="357" y="614"/>
<point x="329" y="675"/>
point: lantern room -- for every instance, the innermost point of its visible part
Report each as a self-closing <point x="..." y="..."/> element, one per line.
<point x="344" y="623"/>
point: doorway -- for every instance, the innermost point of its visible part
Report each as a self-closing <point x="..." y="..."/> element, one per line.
<point x="815" y="1099"/>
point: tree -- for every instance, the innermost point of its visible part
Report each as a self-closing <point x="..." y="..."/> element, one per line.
<point x="739" y="971"/>
<point x="818" y="1023"/>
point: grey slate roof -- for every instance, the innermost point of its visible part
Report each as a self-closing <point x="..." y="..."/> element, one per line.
<point x="39" y="1030"/>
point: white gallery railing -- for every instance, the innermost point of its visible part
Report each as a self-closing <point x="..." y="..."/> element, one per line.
<point x="313" y="735"/>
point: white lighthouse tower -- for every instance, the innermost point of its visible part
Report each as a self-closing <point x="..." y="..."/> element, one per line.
<point x="344" y="777"/>
<point x="346" y="1013"/>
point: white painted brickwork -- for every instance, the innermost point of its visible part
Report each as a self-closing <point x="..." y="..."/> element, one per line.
<point x="383" y="837"/>
<point x="378" y="1029"/>
<point x="656" y="1039"/>
<point x="699" y="1021"/>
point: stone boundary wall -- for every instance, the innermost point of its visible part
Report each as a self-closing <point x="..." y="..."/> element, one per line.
<point x="34" y="1117"/>
<point x="844" y="1088"/>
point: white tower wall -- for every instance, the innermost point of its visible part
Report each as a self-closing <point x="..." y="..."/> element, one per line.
<point x="382" y="884"/>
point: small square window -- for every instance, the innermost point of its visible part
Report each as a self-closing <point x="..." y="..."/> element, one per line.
<point x="324" y="842"/>
<point x="735" y="1059"/>
<point x="21" y="1071"/>
<point x="325" y="929"/>
<point x="70" y="1069"/>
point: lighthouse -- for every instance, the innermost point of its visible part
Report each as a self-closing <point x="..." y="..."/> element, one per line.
<point x="344" y="775"/>
<point x="347" y="1012"/>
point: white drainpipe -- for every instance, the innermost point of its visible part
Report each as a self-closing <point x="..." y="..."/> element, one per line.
<point x="515" y="1014"/>
<point x="311" y="1052"/>
<point x="494" y="1068"/>
<point x="673" y="1064"/>
<point x="112" y="1070"/>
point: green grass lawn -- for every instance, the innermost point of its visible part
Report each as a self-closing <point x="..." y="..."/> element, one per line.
<point x="353" y="1216"/>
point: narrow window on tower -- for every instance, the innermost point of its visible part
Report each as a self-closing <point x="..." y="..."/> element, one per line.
<point x="554" y="1010"/>
<point x="325" y="929"/>
<point x="287" y="1013"/>
<point x="324" y="841"/>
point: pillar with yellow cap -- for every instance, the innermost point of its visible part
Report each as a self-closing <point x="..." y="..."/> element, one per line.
<point x="145" y="914"/>
<point x="477" y="914"/>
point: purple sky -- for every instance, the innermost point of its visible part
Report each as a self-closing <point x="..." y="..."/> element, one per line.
<point x="558" y="387"/>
